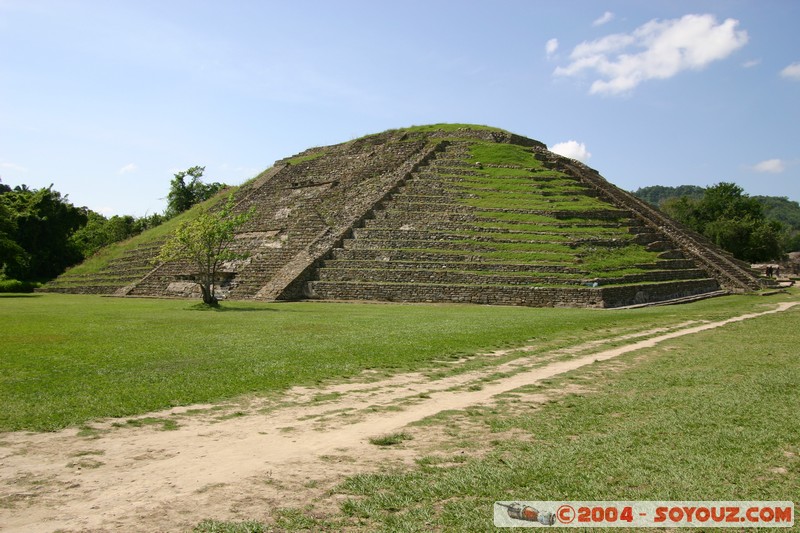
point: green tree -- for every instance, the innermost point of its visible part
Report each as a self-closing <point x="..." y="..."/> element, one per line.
<point x="787" y="212"/>
<point x="11" y="253"/>
<point x="100" y="231"/>
<point x="684" y="209"/>
<point x="732" y="220"/>
<point x="658" y="194"/>
<point x="42" y="222"/>
<point x="183" y="195"/>
<point x="205" y="242"/>
<point x="728" y="201"/>
<point x="148" y="222"/>
<point x="782" y="209"/>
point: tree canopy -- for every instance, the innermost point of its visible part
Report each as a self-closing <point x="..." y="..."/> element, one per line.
<point x="205" y="242"/>
<point x="732" y="220"/>
<point x="657" y="194"/>
<point x="40" y="223"/>
<point x="183" y="195"/>
<point x="773" y="208"/>
<point x="42" y="233"/>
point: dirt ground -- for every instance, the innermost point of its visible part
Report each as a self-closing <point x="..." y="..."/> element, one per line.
<point x="240" y="461"/>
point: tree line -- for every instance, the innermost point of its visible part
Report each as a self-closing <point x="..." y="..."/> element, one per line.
<point x="753" y="228"/>
<point x="42" y="233"/>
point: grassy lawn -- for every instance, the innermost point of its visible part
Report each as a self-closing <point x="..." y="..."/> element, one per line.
<point x="712" y="416"/>
<point x="68" y="359"/>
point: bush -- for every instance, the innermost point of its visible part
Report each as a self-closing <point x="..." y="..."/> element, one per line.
<point x="13" y="285"/>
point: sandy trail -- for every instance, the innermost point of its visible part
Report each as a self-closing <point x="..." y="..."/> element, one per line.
<point x="240" y="462"/>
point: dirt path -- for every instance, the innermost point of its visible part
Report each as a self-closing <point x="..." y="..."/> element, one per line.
<point x="239" y="462"/>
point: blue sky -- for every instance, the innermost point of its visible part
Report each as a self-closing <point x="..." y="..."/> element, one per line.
<point x="106" y="99"/>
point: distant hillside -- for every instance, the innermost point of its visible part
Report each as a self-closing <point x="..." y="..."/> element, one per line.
<point x="778" y="208"/>
<point x="775" y="208"/>
<point x="657" y="194"/>
<point x="782" y="209"/>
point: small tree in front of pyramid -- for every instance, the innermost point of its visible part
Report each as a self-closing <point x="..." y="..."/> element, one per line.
<point x="205" y="242"/>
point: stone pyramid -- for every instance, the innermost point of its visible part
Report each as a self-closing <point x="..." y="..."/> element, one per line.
<point x="443" y="213"/>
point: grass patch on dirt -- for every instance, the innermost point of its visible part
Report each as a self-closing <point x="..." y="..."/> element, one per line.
<point x="216" y="526"/>
<point x="391" y="439"/>
<point x="711" y="416"/>
<point x="70" y="359"/>
<point x="165" y="423"/>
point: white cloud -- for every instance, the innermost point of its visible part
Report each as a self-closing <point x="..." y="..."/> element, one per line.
<point x="572" y="149"/>
<point x="605" y="18"/>
<point x="127" y="169"/>
<point x="792" y="71"/>
<point x="655" y="50"/>
<point x="752" y="63"/>
<point x="770" y="166"/>
<point x="551" y="46"/>
<point x="12" y="166"/>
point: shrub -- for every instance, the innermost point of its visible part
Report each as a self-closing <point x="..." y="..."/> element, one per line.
<point x="13" y="285"/>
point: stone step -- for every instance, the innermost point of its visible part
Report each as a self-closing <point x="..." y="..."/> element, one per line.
<point x="477" y="177"/>
<point x="455" y="193"/>
<point x="405" y="205"/>
<point x="387" y="254"/>
<point x="472" y="273"/>
<point x="394" y="210"/>
<point x="471" y="222"/>
<point x="660" y="246"/>
<point x="611" y="296"/>
<point x="647" y="239"/>
<point x="431" y="198"/>
<point x="480" y="234"/>
<point x="498" y="295"/>
<point x="656" y="276"/>
<point x="672" y="254"/>
<point x="624" y="295"/>
<point x="385" y="275"/>
<point x="82" y="289"/>
<point x="461" y="231"/>
<point x="668" y="264"/>
<point x="476" y="244"/>
<point x="448" y="264"/>
<point x="401" y="238"/>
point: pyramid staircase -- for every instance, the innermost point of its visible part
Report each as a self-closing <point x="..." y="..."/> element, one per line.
<point x="301" y="205"/>
<point x="448" y="235"/>
<point x="734" y="274"/>
<point x="127" y="269"/>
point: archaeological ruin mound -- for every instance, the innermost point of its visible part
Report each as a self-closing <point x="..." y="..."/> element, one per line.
<point x="444" y="213"/>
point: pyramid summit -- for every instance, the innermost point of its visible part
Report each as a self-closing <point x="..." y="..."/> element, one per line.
<point x="440" y="213"/>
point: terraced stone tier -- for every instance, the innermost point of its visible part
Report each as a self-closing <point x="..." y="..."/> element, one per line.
<point x="131" y="266"/>
<point x="476" y="294"/>
<point x="508" y="295"/>
<point x="442" y="277"/>
<point x="447" y="263"/>
<point x="391" y="254"/>
<point x="430" y="238"/>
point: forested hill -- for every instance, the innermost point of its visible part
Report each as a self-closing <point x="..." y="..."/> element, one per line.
<point x="657" y="194"/>
<point x="778" y="208"/>
<point x="768" y="217"/>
